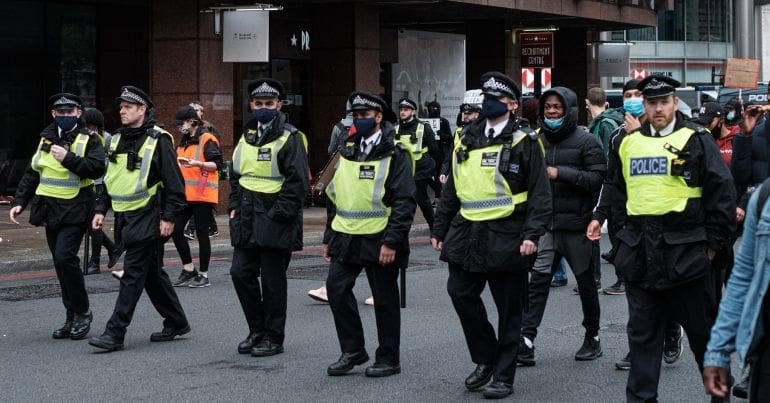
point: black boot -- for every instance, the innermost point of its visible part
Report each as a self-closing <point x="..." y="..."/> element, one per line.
<point x="93" y="267"/>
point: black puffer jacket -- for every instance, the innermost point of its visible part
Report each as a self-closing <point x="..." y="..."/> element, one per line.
<point x="581" y="165"/>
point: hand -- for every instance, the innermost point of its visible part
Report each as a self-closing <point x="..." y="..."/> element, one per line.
<point x="436" y="244"/>
<point x="632" y="123"/>
<point x="715" y="380"/>
<point x="553" y="172"/>
<point x="527" y="248"/>
<point x="190" y="163"/>
<point x="740" y="214"/>
<point x="15" y="211"/>
<point x="594" y="231"/>
<point x="232" y="213"/>
<point x="387" y="255"/>
<point x="325" y="253"/>
<point x="750" y="118"/>
<point x="97" y="221"/>
<point x="58" y="152"/>
<point x="442" y="179"/>
<point x="166" y="228"/>
<point x="711" y="253"/>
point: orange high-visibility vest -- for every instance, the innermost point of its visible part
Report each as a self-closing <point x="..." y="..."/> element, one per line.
<point x="199" y="185"/>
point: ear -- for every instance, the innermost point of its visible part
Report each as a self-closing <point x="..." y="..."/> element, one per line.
<point x="279" y="105"/>
<point x="53" y="113"/>
<point x="80" y="113"/>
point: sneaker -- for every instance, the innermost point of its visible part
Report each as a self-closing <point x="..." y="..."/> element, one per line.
<point x="619" y="288"/>
<point x="213" y="233"/>
<point x="525" y="356"/>
<point x="185" y="278"/>
<point x="608" y="257"/>
<point x="189" y="234"/>
<point x="200" y="282"/>
<point x="93" y="268"/>
<point x="369" y="301"/>
<point x="672" y="346"/>
<point x="558" y="282"/>
<point x="624" y="364"/>
<point x="118" y="274"/>
<point x="319" y="294"/>
<point x="590" y="350"/>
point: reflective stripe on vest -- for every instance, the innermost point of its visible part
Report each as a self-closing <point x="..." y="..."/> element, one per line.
<point x="357" y="190"/>
<point x="646" y="164"/>
<point x="56" y="180"/>
<point x="482" y="189"/>
<point x="200" y="185"/>
<point x="416" y="149"/>
<point x="128" y="188"/>
<point x="258" y="165"/>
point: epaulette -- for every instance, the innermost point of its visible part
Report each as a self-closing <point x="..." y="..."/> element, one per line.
<point x="290" y="128"/>
<point x="531" y="133"/>
<point x="696" y="127"/>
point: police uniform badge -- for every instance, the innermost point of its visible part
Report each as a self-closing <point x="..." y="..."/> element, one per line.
<point x="366" y="172"/>
<point x="489" y="159"/>
<point x="264" y="154"/>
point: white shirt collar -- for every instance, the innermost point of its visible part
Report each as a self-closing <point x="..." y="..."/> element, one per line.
<point x="498" y="128"/>
<point x="665" y="131"/>
<point x="373" y="140"/>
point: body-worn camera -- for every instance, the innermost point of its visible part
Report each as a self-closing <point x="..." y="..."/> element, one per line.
<point x="46" y="146"/>
<point x="133" y="161"/>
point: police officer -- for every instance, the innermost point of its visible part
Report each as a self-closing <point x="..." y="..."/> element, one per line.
<point x="420" y="141"/>
<point x="60" y="184"/>
<point x="470" y="110"/>
<point x="372" y="204"/>
<point x="498" y="184"/>
<point x="269" y="184"/>
<point x="146" y="190"/>
<point x="679" y="199"/>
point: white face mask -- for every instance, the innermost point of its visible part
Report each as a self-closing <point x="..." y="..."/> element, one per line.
<point x="185" y="128"/>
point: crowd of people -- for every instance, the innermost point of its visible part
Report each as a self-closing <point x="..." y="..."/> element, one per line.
<point x="523" y="192"/>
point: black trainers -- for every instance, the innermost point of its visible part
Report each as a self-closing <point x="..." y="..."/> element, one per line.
<point x="189" y="234"/>
<point x="619" y="288"/>
<point x="525" y="357"/>
<point x="624" y="364"/>
<point x="591" y="350"/>
<point x="213" y="233"/>
<point x="185" y="278"/>
<point x="672" y="346"/>
<point x="93" y="268"/>
<point x="200" y="282"/>
<point x="561" y="282"/>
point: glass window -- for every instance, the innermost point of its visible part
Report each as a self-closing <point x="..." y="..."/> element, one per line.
<point x="671" y="23"/>
<point x="641" y="34"/>
<point x="72" y="32"/>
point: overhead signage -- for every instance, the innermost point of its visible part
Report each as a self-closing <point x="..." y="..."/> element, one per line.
<point x="536" y="49"/>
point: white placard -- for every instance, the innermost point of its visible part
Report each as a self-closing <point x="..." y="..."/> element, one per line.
<point x="245" y="36"/>
<point x="613" y="59"/>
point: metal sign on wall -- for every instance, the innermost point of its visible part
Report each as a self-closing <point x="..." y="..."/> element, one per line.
<point x="245" y="36"/>
<point x="536" y="49"/>
<point x="613" y="59"/>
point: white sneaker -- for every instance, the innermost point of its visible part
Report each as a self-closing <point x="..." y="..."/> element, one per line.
<point x="118" y="274"/>
<point x="369" y="301"/>
<point x="319" y="294"/>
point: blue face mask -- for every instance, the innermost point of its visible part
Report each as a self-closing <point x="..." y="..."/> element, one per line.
<point x="264" y="115"/>
<point x="364" y="126"/>
<point x="66" y="123"/>
<point x="554" y="124"/>
<point x="730" y="115"/>
<point x="634" y="107"/>
<point x="493" y="108"/>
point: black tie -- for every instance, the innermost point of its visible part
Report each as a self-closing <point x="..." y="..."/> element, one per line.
<point x="491" y="134"/>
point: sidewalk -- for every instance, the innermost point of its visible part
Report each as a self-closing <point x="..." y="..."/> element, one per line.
<point x="24" y="248"/>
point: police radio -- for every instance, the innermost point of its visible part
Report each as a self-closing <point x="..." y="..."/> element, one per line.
<point x="505" y="158"/>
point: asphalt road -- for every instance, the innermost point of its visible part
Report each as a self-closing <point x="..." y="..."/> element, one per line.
<point x="205" y="366"/>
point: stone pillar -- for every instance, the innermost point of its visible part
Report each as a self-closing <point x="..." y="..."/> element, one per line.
<point x="571" y="64"/>
<point x="485" y="50"/>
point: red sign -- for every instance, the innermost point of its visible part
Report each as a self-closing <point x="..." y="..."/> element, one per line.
<point x="639" y="74"/>
<point x="536" y="49"/>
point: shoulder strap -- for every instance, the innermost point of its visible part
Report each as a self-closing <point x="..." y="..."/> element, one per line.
<point x="764" y="193"/>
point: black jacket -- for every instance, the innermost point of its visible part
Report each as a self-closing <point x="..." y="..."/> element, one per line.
<point x="482" y="246"/>
<point x="53" y="212"/>
<point x="426" y="165"/>
<point x="399" y="196"/>
<point x="751" y="156"/>
<point x="581" y="165"/>
<point x="660" y="252"/>
<point x="266" y="220"/>
<point x="143" y="225"/>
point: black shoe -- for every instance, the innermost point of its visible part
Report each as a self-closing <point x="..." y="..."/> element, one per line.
<point x="558" y="282"/>
<point x="624" y="364"/>
<point x="497" y="390"/>
<point x="609" y="257"/>
<point x="168" y="333"/>
<point x="346" y="363"/>
<point x="189" y="234"/>
<point x="107" y="342"/>
<point x="64" y="331"/>
<point x="199" y="282"/>
<point x="81" y="325"/>
<point x="266" y="348"/>
<point x="525" y="357"/>
<point x="479" y="377"/>
<point x="114" y="257"/>
<point x="213" y="233"/>
<point x="249" y="342"/>
<point x="93" y="268"/>
<point x="672" y="346"/>
<point x="379" y="370"/>
<point x="185" y="278"/>
<point x="619" y="288"/>
<point x="590" y="350"/>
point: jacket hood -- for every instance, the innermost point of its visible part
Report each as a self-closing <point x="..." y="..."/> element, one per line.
<point x="569" y="99"/>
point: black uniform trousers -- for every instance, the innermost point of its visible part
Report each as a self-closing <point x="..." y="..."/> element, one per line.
<point x="264" y="306"/>
<point x="387" y="312"/>
<point x="508" y="291"/>
<point x="142" y="269"/>
<point x="424" y="201"/>
<point x="690" y="304"/>
<point x="202" y="213"/>
<point x="64" y="243"/>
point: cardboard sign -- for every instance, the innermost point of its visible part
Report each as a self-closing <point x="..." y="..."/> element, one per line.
<point x="742" y="73"/>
